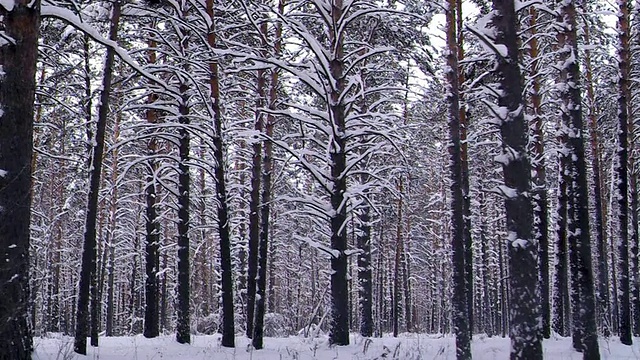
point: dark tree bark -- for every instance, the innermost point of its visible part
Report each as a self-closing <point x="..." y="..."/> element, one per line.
<point x="522" y="251"/>
<point x="578" y="230"/>
<point x="254" y="200"/>
<point x="17" y="96"/>
<point x="265" y="209"/>
<point x="397" y="284"/>
<point x="561" y="282"/>
<point x="228" y="331"/>
<point x="460" y="308"/>
<point x="365" y="292"/>
<point x="183" y="325"/>
<point x="635" y="300"/>
<point x="87" y="284"/>
<point x="152" y="225"/>
<point x="339" y="333"/>
<point x="624" y="301"/>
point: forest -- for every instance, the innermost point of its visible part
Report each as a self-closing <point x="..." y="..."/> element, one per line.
<point x="269" y="168"/>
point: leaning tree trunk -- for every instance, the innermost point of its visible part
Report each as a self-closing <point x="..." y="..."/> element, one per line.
<point x="522" y="251"/>
<point x="460" y="309"/>
<point x="228" y="331"/>
<point x="17" y="96"/>
<point x="88" y="268"/>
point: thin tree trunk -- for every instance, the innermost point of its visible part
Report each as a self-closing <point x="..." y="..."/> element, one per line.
<point x="624" y="302"/>
<point x="579" y="232"/>
<point x="228" y="332"/>
<point x="183" y="326"/>
<point x="561" y="298"/>
<point x="17" y="96"/>
<point x="265" y="208"/>
<point x="541" y="203"/>
<point x="87" y="283"/>
<point x="460" y="308"/>
<point x="397" y="287"/>
<point x="254" y="200"/>
<point x="600" y="214"/>
<point x="152" y="225"/>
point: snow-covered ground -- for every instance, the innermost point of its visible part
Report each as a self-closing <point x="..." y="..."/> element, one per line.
<point x="405" y="347"/>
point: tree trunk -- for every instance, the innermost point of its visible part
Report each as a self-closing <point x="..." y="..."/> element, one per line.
<point x="624" y="302"/>
<point x="17" y="96"/>
<point x="228" y="332"/>
<point x="152" y="225"/>
<point x="87" y="281"/>
<point x="600" y="214"/>
<point x="522" y="251"/>
<point x="254" y="200"/>
<point x="579" y="232"/>
<point x="561" y="298"/>
<point x="460" y="308"/>
<point x="265" y="209"/>
<point x="183" y="326"/>
<point x="339" y="332"/>
<point x="541" y="203"/>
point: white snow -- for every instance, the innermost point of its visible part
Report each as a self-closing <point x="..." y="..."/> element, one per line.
<point x="407" y="346"/>
<point x="3" y="173"/>
<point x="8" y="4"/>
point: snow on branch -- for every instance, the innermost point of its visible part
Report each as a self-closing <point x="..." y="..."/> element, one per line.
<point x="75" y="21"/>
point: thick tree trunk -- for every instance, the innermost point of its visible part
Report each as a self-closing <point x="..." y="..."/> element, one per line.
<point x="460" y="308"/>
<point x="522" y="251"/>
<point x="339" y="333"/>
<point x="87" y="283"/>
<point x="17" y="95"/>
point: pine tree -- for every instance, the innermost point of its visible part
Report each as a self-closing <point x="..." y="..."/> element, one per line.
<point x="17" y="96"/>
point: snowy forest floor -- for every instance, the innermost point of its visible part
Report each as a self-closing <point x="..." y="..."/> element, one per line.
<point x="405" y="347"/>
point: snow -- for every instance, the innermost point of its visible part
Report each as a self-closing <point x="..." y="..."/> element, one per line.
<point x="3" y="173"/>
<point x="7" y="4"/>
<point x="407" y="346"/>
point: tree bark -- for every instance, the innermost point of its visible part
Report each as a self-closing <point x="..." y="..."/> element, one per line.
<point x="460" y="308"/>
<point x="541" y="204"/>
<point x="624" y="301"/>
<point x="228" y="332"/>
<point x="17" y="96"/>
<point x="600" y="214"/>
<point x="87" y="283"/>
<point x="265" y="209"/>
<point x="579" y="232"/>
<point x="525" y="329"/>
<point x="152" y="225"/>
